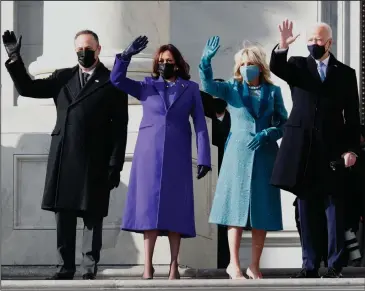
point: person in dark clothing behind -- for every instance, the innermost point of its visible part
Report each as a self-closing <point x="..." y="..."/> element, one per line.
<point x="215" y="109"/>
<point x="354" y="209"/>
<point x="352" y="206"/>
<point x="361" y="191"/>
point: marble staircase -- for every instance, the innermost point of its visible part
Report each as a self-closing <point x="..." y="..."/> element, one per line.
<point x="129" y="278"/>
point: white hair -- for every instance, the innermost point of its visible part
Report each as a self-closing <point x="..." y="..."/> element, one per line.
<point x="322" y="25"/>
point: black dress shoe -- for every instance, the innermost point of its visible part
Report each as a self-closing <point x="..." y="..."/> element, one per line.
<point x="62" y="276"/>
<point x="88" y="276"/>
<point x="304" y="273"/>
<point x="332" y="273"/>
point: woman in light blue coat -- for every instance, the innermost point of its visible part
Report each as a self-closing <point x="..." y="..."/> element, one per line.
<point x="244" y="197"/>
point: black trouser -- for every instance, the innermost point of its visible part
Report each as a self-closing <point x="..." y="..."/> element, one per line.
<point x="324" y="202"/>
<point x="323" y="233"/>
<point x="223" y="248"/>
<point x="311" y="213"/>
<point x="66" y="241"/>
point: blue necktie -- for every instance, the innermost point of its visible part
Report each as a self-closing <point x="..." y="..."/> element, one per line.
<point x="321" y="71"/>
<point x="85" y="77"/>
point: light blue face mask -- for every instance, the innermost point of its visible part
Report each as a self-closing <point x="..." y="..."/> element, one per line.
<point x="249" y="73"/>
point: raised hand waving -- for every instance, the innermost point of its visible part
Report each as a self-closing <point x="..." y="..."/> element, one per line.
<point x="286" y="34"/>
<point x="210" y="50"/>
<point x="11" y="43"/>
<point x="138" y="45"/>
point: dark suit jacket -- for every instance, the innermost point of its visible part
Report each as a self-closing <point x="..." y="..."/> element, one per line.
<point x="89" y="137"/>
<point x="220" y="129"/>
<point x="328" y="109"/>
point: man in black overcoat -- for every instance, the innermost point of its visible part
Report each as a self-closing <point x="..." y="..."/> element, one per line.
<point x="324" y="126"/>
<point x="215" y="109"/>
<point x="87" y="148"/>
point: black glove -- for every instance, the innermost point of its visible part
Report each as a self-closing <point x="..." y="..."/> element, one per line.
<point x="11" y="43"/>
<point x="114" y="177"/>
<point x="202" y="171"/>
<point x="138" y="45"/>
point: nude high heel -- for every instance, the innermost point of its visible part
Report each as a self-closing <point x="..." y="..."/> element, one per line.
<point x="234" y="275"/>
<point x="251" y="275"/>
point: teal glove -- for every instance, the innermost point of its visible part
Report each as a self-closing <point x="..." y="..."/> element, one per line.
<point x="210" y="50"/>
<point x="259" y="139"/>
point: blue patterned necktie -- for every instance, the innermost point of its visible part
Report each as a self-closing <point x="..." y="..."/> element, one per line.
<point x="321" y="71"/>
<point x="86" y="77"/>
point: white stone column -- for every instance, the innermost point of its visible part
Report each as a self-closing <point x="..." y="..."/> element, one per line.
<point x="354" y="32"/>
<point x="0" y="167"/>
<point x="7" y="23"/>
<point x="116" y="23"/>
<point x="348" y="34"/>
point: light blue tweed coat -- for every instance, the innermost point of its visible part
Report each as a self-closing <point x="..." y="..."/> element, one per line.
<point x="243" y="194"/>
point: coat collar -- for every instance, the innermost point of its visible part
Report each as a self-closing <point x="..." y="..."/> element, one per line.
<point x="247" y="101"/>
<point x="332" y="67"/>
<point x="98" y="78"/>
<point x="181" y="86"/>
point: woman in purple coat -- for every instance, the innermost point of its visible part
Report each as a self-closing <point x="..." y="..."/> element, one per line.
<point x="160" y="193"/>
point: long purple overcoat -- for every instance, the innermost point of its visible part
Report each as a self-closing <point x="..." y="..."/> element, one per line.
<point x="160" y="191"/>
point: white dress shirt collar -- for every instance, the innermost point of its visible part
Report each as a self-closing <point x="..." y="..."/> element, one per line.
<point x="325" y="61"/>
<point x="88" y="72"/>
<point x="220" y="118"/>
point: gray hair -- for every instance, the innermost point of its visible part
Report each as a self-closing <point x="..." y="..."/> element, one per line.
<point x="323" y="25"/>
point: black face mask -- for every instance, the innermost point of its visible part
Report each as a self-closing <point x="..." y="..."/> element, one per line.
<point x="86" y="58"/>
<point x="166" y="70"/>
<point x="317" y="51"/>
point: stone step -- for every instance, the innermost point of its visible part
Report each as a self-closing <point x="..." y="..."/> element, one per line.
<point x="347" y="284"/>
<point x="161" y="271"/>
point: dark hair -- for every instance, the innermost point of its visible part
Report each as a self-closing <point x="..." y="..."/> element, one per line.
<point x="86" y="31"/>
<point x="220" y="105"/>
<point x="183" y="67"/>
